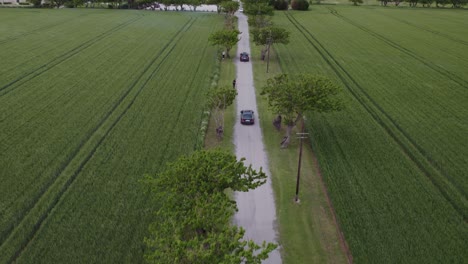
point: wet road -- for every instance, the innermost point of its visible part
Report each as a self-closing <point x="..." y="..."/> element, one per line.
<point x="257" y="213"/>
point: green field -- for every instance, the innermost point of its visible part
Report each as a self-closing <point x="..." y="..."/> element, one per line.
<point x="90" y="101"/>
<point x="395" y="160"/>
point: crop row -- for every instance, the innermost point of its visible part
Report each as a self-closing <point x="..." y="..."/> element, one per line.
<point x="83" y="113"/>
<point x="389" y="187"/>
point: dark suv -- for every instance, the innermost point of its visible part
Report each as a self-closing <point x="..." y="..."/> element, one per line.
<point x="244" y="56"/>
<point x="247" y="117"/>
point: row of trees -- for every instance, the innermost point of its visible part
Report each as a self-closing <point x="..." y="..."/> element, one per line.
<point x="424" y="3"/>
<point x="427" y="3"/>
<point x="194" y="220"/>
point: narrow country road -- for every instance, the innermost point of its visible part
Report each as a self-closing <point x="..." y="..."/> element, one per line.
<point x="257" y="213"/>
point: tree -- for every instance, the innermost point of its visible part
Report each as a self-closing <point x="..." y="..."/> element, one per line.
<point x="219" y="98"/>
<point x="442" y="3"/>
<point x="300" y="5"/>
<point x="356" y="2"/>
<point x="36" y="3"/>
<point x="260" y="8"/>
<point x="193" y="221"/>
<point x="229" y="7"/>
<point x="226" y="38"/>
<point x="269" y="35"/>
<point x="57" y="3"/>
<point x="292" y="96"/>
<point x="426" y="3"/>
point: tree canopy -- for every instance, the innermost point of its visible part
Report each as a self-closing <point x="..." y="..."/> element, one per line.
<point x="230" y="7"/>
<point x="226" y="38"/>
<point x="275" y="34"/>
<point x="291" y="96"/>
<point x="193" y="222"/>
<point x="219" y="98"/>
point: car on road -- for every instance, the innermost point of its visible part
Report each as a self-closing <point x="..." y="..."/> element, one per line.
<point x="247" y="117"/>
<point x="244" y="56"/>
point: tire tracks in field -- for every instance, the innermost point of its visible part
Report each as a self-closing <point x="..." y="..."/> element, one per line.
<point x="14" y="84"/>
<point x="435" y="32"/>
<point x="36" y="30"/>
<point x="460" y="81"/>
<point x="74" y="159"/>
<point x="408" y="146"/>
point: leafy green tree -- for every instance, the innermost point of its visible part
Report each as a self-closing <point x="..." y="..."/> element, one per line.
<point x="280" y="4"/>
<point x="442" y="3"/>
<point x="36" y="3"/>
<point x="58" y="3"/>
<point x="219" y="98"/>
<point x="292" y="96"/>
<point x="226" y="38"/>
<point x="230" y="7"/>
<point x="258" y="8"/>
<point x="458" y="3"/>
<point x="268" y="36"/>
<point x="426" y="3"/>
<point x="193" y="222"/>
<point x="356" y="2"/>
<point x="412" y="3"/>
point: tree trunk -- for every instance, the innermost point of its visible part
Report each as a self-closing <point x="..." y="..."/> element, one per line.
<point x="277" y="122"/>
<point x="287" y="137"/>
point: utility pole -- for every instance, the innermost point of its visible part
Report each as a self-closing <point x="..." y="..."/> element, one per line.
<point x="301" y="136"/>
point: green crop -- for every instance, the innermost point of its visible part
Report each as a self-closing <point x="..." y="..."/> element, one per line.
<point x="394" y="160"/>
<point x="90" y="100"/>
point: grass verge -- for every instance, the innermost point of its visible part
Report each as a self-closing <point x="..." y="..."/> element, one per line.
<point x="307" y="230"/>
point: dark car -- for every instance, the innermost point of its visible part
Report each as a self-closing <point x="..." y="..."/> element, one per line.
<point x="244" y="56"/>
<point x="247" y="117"/>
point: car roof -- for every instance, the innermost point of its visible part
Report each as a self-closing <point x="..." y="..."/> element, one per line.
<point x="247" y="111"/>
<point x="244" y="53"/>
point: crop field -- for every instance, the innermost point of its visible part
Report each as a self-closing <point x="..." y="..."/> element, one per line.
<point x="395" y="160"/>
<point x="90" y="101"/>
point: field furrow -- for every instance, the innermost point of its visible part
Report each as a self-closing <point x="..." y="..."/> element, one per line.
<point x="64" y="186"/>
<point x="137" y="144"/>
<point x="32" y="73"/>
<point x="395" y="180"/>
<point x="451" y="191"/>
<point x="51" y="135"/>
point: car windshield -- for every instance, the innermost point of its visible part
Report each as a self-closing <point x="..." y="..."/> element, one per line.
<point x="247" y="116"/>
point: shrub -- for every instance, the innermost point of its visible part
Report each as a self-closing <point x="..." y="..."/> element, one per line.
<point x="69" y="4"/>
<point x="281" y="5"/>
<point x="300" y="5"/>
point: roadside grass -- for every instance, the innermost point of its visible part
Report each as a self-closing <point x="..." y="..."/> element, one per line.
<point x="227" y="73"/>
<point x="307" y="232"/>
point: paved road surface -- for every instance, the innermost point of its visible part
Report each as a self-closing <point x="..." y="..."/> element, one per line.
<point x="257" y="213"/>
